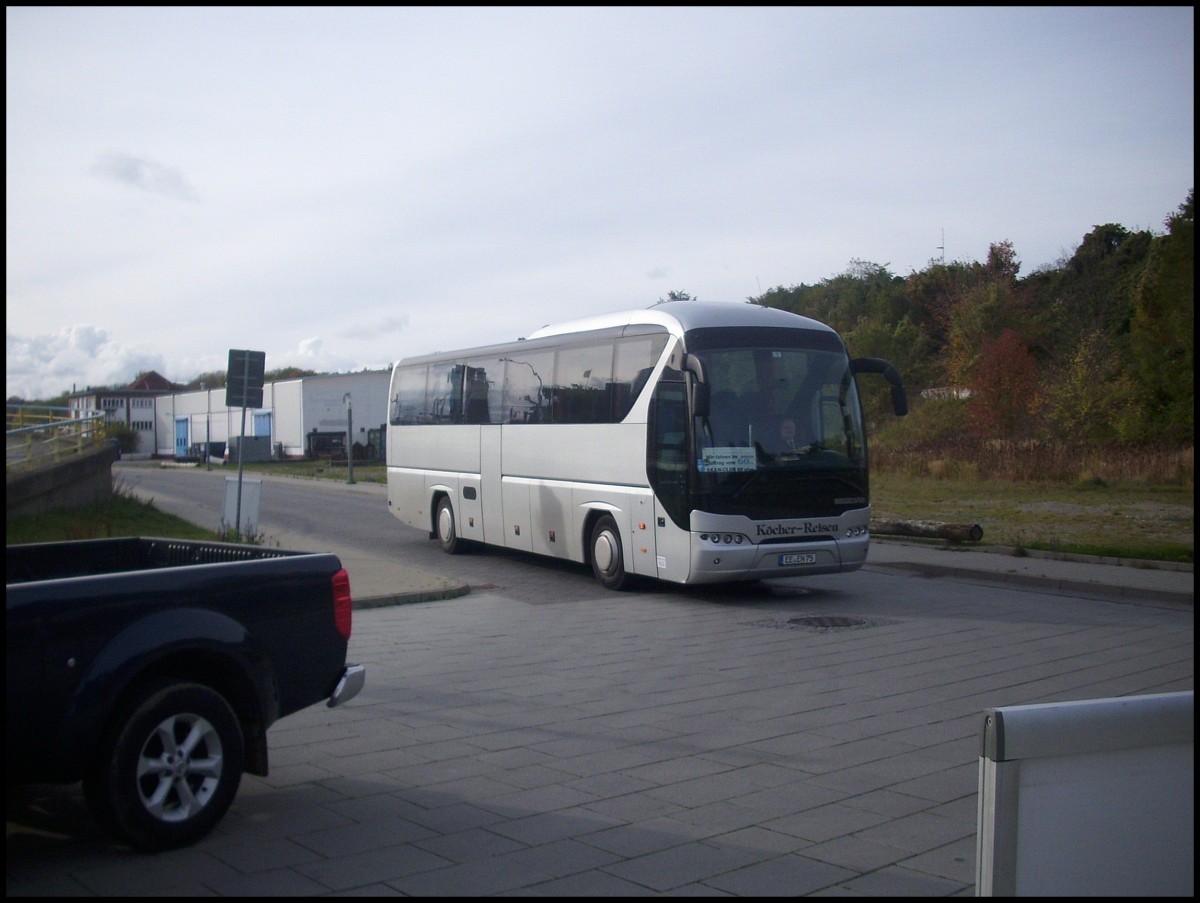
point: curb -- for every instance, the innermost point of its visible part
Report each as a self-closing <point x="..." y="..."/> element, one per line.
<point x="1065" y="587"/>
<point x="432" y="595"/>
<point x="1016" y="552"/>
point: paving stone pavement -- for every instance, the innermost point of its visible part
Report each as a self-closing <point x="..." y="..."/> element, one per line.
<point x="805" y="739"/>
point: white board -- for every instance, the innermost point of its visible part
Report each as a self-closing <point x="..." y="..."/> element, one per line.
<point x="1091" y="798"/>
<point x="251" y="493"/>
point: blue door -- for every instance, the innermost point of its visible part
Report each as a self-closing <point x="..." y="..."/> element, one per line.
<point x="181" y="437"/>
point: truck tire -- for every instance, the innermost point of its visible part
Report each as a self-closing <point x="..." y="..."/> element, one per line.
<point x="447" y="528"/>
<point x="170" y="769"/>
<point x="608" y="558"/>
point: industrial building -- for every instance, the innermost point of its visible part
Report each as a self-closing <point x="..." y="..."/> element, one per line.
<point x="304" y="417"/>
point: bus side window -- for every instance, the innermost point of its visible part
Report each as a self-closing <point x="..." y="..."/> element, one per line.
<point x="477" y="395"/>
<point x="528" y="386"/>
<point x="635" y="360"/>
<point x="408" y="402"/>
<point x="445" y="393"/>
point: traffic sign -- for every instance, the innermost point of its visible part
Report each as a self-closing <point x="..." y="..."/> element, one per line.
<point x="244" y="379"/>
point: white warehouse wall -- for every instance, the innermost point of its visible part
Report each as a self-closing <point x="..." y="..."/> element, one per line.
<point x="295" y="406"/>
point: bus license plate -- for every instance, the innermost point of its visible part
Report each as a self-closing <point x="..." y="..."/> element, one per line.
<point x="797" y="558"/>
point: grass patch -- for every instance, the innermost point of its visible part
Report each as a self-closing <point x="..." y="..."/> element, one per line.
<point x="1111" y="518"/>
<point x="1177" y="554"/>
<point x="122" y="515"/>
<point x="321" y="469"/>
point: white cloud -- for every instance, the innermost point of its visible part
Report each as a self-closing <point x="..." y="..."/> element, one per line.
<point x="73" y="358"/>
<point x="145" y="175"/>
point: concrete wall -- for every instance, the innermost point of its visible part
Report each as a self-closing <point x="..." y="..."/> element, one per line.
<point x="75" y="483"/>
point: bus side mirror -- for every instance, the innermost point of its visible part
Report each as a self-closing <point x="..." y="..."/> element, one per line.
<point x="888" y="372"/>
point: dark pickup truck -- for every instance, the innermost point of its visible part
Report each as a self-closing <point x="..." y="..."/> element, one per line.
<point x="150" y="670"/>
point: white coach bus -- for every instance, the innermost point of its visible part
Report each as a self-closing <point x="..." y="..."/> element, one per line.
<point x="694" y="442"/>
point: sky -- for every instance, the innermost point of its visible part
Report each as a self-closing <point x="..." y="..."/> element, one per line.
<point x="342" y="188"/>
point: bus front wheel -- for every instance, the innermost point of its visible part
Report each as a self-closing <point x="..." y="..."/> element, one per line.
<point x="608" y="559"/>
<point x="447" y="530"/>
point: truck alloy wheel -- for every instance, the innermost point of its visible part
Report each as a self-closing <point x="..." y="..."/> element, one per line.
<point x="171" y="769"/>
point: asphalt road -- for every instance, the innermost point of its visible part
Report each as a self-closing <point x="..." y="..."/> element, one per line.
<point x="329" y="513"/>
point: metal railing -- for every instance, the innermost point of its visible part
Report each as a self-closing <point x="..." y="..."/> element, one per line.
<point x="41" y="435"/>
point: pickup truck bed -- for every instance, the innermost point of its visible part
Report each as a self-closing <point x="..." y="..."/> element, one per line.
<point x="151" y="669"/>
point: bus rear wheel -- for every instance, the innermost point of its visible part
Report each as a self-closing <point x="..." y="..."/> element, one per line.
<point x="447" y="530"/>
<point x="608" y="558"/>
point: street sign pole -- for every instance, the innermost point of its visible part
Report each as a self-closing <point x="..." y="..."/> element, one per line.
<point x="244" y="389"/>
<point x="349" y="438"/>
<point x="241" y="448"/>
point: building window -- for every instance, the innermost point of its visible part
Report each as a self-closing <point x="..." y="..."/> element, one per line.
<point x="143" y="425"/>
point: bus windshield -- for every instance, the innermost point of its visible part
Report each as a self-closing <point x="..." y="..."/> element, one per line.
<point x="783" y="436"/>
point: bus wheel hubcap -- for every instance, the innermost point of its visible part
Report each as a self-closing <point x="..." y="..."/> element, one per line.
<point x="604" y="552"/>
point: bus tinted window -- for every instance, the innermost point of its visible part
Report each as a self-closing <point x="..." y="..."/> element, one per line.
<point x="408" y="396"/>
<point x="594" y="382"/>
<point x="526" y="380"/>
<point x="635" y="358"/>
<point x="582" y="384"/>
<point x="445" y="392"/>
<point x="483" y="388"/>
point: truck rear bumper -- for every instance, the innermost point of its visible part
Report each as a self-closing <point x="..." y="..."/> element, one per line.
<point x="352" y="680"/>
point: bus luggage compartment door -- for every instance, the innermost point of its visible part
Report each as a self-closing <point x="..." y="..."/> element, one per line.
<point x="672" y="547"/>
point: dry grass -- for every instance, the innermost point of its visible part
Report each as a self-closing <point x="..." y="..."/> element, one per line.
<point x="1132" y="504"/>
<point x="1062" y="463"/>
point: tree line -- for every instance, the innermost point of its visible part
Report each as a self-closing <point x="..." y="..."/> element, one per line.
<point x="1097" y="347"/>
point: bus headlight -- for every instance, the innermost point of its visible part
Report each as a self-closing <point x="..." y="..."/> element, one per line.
<point x="728" y="539"/>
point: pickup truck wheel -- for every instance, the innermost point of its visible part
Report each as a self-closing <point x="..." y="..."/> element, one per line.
<point x="170" y="769"/>
<point x="447" y="529"/>
<point x="608" y="559"/>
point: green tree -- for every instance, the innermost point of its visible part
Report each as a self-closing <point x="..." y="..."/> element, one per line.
<point x="214" y="379"/>
<point x="1094" y="289"/>
<point x="126" y="436"/>
<point x="863" y="290"/>
<point x="1162" y="336"/>
<point x="1002" y="262"/>
<point x="287" y="373"/>
<point x="905" y="347"/>
<point x="934" y="292"/>
<point x="992" y="304"/>
<point x="1082" y="396"/>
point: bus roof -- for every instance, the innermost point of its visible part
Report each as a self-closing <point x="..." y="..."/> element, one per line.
<point x="680" y="316"/>
<point x="675" y="317"/>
